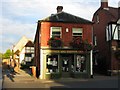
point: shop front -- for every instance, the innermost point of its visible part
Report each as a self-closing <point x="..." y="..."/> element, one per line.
<point x="64" y="63"/>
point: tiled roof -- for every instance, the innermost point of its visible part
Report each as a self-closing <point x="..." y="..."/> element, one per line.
<point x="66" y="17"/>
<point x="111" y="11"/>
<point x="22" y="42"/>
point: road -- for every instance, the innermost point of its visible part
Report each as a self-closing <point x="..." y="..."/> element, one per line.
<point x="97" y="82"/>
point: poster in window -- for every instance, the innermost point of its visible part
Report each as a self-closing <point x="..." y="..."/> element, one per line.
<point x="80" y="63"/>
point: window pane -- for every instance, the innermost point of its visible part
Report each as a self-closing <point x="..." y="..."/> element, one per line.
<point x="56" y="28"/>
<point x="29" y="59"/>
<point x="55" y="32"/>
<point x="77" y="31"/>
<point x="32" y="55"/>
<point x="58" y="33"/>
<point x="28" y="50"/>
<point x="52" y="63"/>
<point x="32" y="51"/>
<point x="27" y="55"/>
<point x="77" y="34"/>
<point x="27" y="47"/>
<point x="32" y="48"/>
<point x="26" y="58"/>
<point x="81" y="63"/>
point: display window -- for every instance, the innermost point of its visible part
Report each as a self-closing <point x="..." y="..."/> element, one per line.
<point x="52" y="63"/>
<point x="81" y="63"/>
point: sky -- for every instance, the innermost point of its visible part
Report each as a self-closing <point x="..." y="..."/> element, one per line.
<point x="19" y="17"/>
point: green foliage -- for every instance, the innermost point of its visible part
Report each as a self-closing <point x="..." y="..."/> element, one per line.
<point x="7" y="54"/>
<point x="55" y="42"/>
<point x="80" y="44"/>
<point x="1" y="55"/>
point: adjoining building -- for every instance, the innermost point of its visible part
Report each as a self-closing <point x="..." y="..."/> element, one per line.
<point x="106" y="38"/>
<point x="63" y="46"/>
<point x="24" y="52"/>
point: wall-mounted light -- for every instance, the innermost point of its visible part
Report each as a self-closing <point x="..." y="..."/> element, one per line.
<point x="67" y="30"/>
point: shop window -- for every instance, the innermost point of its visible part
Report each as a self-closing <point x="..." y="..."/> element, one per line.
<point x="52" y="63"/>
<point x="81" y="63"/>
<point x="72" y="65"/>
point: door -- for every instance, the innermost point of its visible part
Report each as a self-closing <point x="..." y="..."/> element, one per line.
<point x="65" y="66"/>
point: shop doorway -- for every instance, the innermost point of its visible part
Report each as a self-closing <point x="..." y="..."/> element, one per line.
<point x="66" y="65"/>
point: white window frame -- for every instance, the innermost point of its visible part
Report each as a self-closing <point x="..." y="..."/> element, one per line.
<point x="59" y="30"/>
<point x="77" y="30"/>
<point x="28" y="59"/>
<point x="98" y="19"/>
<point x="29" y="49"/>
<point x="95" y="40"/>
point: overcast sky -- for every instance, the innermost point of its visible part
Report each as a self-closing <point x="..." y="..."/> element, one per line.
<point x="19" y="17"/>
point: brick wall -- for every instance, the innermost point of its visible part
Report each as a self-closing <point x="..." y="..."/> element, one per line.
<point x="66" y="36"/>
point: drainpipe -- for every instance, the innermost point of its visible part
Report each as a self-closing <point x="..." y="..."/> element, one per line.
<point x="91" y="58"/>
<point x="91" y="63"/>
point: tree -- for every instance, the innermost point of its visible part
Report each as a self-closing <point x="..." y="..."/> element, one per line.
<point x="7" y="54"/>
<point x="1" y="55"/>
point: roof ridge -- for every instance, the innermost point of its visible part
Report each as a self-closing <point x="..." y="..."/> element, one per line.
<point x="78" y="17"/>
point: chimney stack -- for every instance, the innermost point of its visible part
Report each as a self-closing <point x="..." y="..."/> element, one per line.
<point x="59" y="9"/>
<point x="104" y="4"/>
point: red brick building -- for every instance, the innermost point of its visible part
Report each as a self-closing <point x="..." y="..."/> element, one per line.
<point x="106" y="41"/>
<point x="65" y="60"/>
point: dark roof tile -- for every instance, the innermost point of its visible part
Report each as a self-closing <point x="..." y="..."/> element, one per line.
<point x="66" y="17"/>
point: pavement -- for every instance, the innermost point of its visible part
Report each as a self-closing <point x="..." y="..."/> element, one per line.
<point x="23" y="80"/>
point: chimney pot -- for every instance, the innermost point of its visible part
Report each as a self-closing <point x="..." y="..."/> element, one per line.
<point x="59" y="9"/>
<point x="104" y="4"/>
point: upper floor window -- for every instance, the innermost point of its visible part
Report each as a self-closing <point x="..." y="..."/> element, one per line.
<point x="55" y="32"/>
<point x="77" y="32"/>
<point x="113" y="32"/>
<point x="29" y="49"/>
